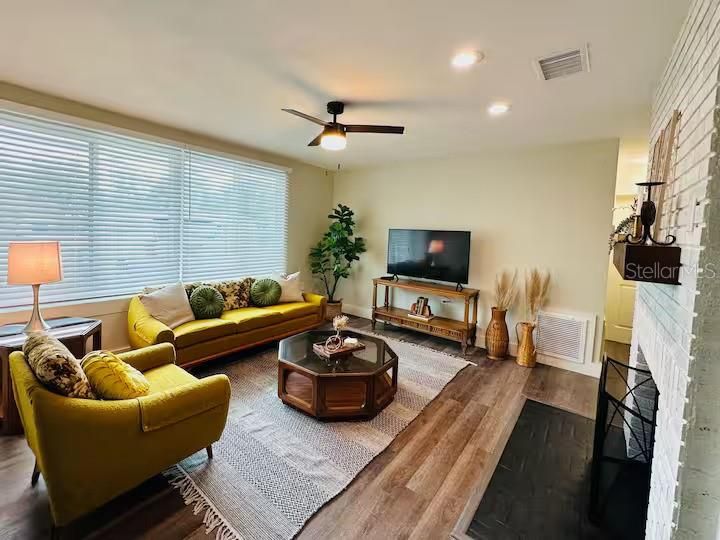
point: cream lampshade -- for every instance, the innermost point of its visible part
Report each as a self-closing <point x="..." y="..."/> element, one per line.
<point x="34" y="263"/>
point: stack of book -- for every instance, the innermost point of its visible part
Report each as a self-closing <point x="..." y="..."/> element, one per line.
<point x="420" y="310"/>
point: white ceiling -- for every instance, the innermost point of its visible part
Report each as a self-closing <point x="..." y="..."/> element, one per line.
<point x="226" y="67"/>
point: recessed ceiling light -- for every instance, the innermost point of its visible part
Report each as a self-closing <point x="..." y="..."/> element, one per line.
<point x="498" y="109"/>
<point x="466" y="59"/>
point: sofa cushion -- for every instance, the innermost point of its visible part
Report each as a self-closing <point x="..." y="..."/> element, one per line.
<point x="206" y="302"/>
<point x="294" y="310"/>
<point x="235" y="292"/>
<point x="265" y="292"/>
<point x="252" y="318"/>
<point x="169" y="305"/>
<point x="291" y="287"/>
<point x="194" y="332"/>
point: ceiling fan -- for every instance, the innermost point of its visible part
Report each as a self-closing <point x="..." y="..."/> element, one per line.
<point x="333" y="134"/>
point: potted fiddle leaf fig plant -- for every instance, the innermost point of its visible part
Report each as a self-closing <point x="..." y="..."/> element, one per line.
<point x="333" y="256"/>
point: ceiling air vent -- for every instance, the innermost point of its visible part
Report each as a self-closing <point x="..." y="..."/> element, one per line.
<point x="563" y="64"/>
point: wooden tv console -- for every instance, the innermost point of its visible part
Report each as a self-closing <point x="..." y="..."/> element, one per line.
<point x="462" y="331"/>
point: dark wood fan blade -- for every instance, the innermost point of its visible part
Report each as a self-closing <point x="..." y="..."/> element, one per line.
<point x="307" y="117"/>
<point x="316" y="141"/>
<point x="357" y="128"/>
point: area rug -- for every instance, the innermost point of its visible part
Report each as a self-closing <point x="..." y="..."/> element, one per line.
<point x="275" y="467"/>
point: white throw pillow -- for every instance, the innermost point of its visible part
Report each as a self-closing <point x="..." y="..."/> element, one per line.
<point x="169" y="305"/>
<point x="291" y="287"/>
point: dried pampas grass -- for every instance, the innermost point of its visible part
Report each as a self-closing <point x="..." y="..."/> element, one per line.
<point x="537" y="288"/>
<point x="505" y="289"/>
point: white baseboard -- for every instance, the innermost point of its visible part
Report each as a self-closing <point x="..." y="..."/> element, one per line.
<point x="591" y="369"/>
<point x="358" y="311"/>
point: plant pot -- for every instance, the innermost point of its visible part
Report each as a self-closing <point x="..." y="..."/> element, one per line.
<point x="496" y="336"/>
<point x="332" y="310"/>
<point x="526" y="354"/>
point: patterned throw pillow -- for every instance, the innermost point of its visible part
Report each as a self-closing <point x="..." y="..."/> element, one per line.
<point x="111" y="378"/>
<point x="207" y="302"/>
<point x="55" y="367"/>
<point x="265" y="292"/>
<point x="235" y="292"/>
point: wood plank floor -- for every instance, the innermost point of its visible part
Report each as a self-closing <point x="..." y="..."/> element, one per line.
<point x="417" y="488"/>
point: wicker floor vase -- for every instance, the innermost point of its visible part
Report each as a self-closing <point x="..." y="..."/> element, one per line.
<point x="526" y="354"/>
<point x="497" y="338"/>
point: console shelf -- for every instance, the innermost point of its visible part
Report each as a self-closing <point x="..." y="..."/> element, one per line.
<point x="462" y="331"/>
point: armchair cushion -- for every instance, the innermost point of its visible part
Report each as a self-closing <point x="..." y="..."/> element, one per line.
<point x="111" y="378"/>
<point x="56" y="367"/>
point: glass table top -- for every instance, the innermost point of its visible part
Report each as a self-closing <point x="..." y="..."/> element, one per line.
<point x="298" y="350"/>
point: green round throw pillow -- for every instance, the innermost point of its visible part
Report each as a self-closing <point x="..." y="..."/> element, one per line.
<point x="206" y="303"/>
<point x="265" y="292"/>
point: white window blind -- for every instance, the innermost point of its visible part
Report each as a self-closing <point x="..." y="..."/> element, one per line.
<point x="130" y="212"/>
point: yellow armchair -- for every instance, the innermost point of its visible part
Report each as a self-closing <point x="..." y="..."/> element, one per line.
<point x="90" y="451"/>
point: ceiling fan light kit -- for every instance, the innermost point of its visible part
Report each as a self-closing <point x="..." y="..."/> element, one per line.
<point x="333" y="138"/>
<point x="334" y="133"/>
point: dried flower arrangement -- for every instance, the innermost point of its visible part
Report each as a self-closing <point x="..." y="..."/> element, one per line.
<point x="537" y="288"/>
<point x="341" y="322"/>
<point x="505" y="289"/>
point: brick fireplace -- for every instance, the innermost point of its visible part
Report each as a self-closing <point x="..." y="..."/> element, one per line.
<point x="677" y="328"/>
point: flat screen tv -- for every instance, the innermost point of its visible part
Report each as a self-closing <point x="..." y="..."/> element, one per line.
<point x="437" y="255"/>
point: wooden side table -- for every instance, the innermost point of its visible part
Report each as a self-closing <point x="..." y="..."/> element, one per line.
<point x="74" y="337"/>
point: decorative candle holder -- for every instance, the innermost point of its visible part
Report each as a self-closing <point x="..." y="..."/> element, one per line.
<point x="648" y="213"/>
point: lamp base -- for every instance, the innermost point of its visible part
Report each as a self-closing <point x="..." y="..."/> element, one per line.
<point x="36" y="322"/>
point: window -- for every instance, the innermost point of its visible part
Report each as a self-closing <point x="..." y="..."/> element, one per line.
<point x="131" y="212"/>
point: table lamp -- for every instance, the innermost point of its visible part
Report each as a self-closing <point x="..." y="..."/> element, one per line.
<point x="34" y="263"/>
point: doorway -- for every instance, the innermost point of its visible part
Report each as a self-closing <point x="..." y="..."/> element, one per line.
<point x="620" y="301"/>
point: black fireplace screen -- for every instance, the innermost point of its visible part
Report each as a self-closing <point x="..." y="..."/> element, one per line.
<point x="623" y="448"/>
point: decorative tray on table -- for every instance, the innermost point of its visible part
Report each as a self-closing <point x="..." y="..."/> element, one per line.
<point x="321" y="350"/>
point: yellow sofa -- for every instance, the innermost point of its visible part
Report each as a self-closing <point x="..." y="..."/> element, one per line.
<point x="90" y="451"/>
<point x="202" y="340"/>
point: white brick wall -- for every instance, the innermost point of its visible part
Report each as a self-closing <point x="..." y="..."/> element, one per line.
<point x="678" y="328"/>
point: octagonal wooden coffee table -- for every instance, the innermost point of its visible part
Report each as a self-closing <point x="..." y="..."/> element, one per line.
<point x="359" y="385"/>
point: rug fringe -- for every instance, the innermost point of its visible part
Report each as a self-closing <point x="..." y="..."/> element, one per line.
<point x="193" y="495"/>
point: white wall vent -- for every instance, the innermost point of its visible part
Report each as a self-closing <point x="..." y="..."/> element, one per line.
<point x="562" y="64"/>
<point x="567" y="337"/>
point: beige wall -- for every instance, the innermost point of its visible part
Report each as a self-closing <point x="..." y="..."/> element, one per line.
<point x="546" y="206"/>
<point x="310" y="196"/>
